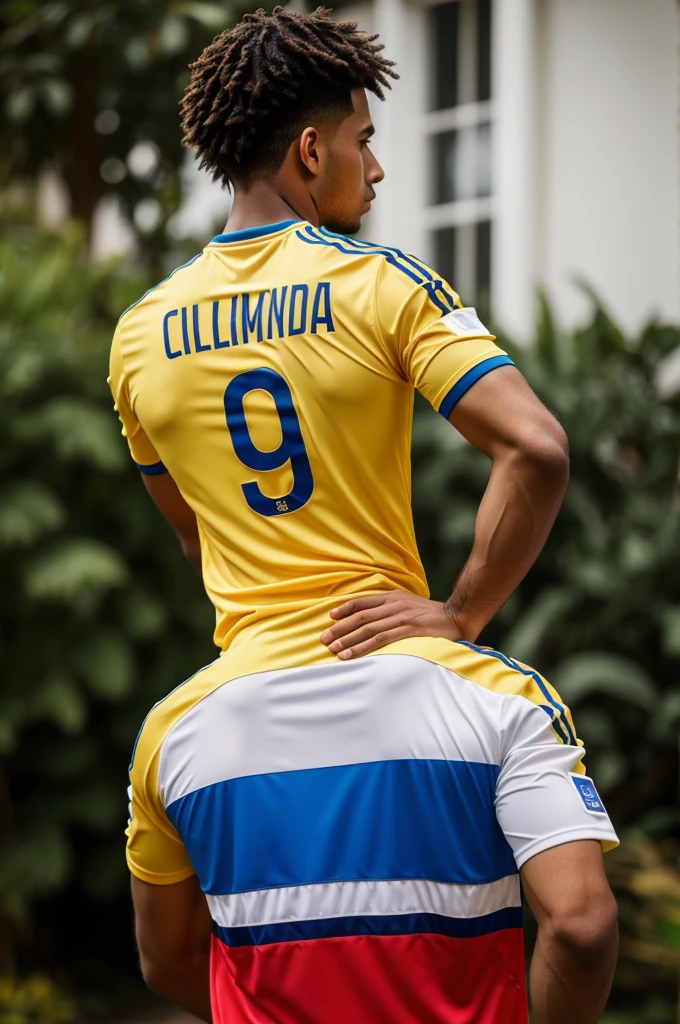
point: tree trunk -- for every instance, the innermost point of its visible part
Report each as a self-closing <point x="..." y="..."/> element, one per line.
<point x="82" y="156"/>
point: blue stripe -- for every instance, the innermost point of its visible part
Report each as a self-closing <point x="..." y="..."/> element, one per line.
<point x="381" y="249"/>
<point x="376" y="820"/>
<point x="470" y="378"/>
<point x="393" y="924"/>
<point x="154" y="470"/>
<point x="258" y="232"/>
<point x="411" y="260"/>
<point x="313" y="239"/>
<point x="430" y="286"/>
<point x="153" y="287"/>
<point x="561" y="723"/>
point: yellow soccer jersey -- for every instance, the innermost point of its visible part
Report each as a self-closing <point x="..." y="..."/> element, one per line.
<point x="273" y="377"/>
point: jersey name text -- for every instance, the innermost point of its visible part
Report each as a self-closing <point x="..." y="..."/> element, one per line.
<point x="247" y="317"/>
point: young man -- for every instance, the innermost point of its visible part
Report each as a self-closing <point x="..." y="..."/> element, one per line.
<point x="334" y="838"/>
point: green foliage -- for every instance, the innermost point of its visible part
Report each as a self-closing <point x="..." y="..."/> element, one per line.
<point x="99" y="613"/>
<point x="36" y="1000"/>
<point x="83" y="83"/>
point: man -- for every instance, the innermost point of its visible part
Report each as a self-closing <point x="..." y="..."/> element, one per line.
<point x="333" y="838"/>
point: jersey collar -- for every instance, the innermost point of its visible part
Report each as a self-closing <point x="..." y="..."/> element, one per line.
<point x="257" y="232"/>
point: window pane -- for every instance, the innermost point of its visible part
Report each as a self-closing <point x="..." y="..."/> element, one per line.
<point x="443" y="28"/>
<point x="483" y="263"/>
<point x="462" y="164"/>
<point x="464" y="259"/>
<point x="444" y="241"/>
<point x="483" y="49"/>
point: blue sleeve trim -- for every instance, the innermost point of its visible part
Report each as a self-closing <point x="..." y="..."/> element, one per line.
<point x="155" y="470"/>
<point x="470" y="378"/>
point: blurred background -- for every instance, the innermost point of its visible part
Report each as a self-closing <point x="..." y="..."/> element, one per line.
<point x="532" y="152"/>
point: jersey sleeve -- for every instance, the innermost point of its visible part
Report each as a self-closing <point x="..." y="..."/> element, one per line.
<point x="543" y="796"/>
<point x="441" y="347"/>
<point x="155" y="853"/>
<point x="141" y="449"/>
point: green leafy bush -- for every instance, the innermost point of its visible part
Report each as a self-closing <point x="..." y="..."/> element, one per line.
<point x="35" y="1000"/>
<point x="99" y="614"/>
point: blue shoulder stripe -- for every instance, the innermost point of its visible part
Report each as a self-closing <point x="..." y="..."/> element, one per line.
<point x="560" y="723"/>
<point x="413" y="261"/>
<point x="360" y="243"/>
<point x="153" y="287"/>
<point x="309" y="236"/>
<point x="431" y="287"/>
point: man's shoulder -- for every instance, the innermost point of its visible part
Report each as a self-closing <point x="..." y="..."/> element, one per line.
<point x="376" y="255"/>
<point x="503" y="678"/>
<point x="169" y="710"/>
<point x="156" y="292"/>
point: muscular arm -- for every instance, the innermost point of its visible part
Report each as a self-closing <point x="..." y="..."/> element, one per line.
<point x="575" y="953"/>
<point x="172" y="925"/>
<point x="502" y="417"/>
<point x="167" y="496"/>
<point x="529" y="474"/>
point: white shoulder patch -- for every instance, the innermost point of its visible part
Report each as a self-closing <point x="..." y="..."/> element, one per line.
<point x="465" y="323"/>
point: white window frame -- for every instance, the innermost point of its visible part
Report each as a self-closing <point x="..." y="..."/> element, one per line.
<point x="460" y="212"/>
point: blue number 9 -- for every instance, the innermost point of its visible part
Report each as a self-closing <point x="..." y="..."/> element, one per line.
<point x="292" y="447"/>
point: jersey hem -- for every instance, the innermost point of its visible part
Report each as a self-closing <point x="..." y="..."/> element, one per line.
<point x="608" y="842"/>
<point x="153" y="878"/>
<point x="156" y="469"/>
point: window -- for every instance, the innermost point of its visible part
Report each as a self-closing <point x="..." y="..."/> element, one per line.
<point x="459" y="128"/>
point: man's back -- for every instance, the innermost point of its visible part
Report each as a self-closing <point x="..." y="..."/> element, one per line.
<point x="274" y="376"/>
<point x="358" y="829"/>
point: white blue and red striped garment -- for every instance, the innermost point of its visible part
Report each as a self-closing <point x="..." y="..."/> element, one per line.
<point x="358" y="830"/>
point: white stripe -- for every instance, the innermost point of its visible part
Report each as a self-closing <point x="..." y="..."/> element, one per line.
<point x="360" y="899"/>
<point x="383" y="708"/>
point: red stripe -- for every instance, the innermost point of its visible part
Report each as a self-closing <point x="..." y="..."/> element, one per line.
<point x="371" y="979"/>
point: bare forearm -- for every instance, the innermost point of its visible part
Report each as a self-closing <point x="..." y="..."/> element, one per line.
<point x="571" y="985"/>
<point x="516" y="514"/>
<point x="187" y="987"/>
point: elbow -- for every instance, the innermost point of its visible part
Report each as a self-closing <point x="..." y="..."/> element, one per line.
<point x="544" y="450"/>
<point x="160" y="976"/>
<point x="155" y="976"/>
<point x="589" y="932"/>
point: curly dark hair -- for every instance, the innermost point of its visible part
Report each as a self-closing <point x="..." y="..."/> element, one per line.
<point x="256" y="87"/>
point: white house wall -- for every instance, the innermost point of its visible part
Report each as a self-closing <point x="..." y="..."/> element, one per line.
<point x="397" y="216"/>
<point x="608" y="207"/>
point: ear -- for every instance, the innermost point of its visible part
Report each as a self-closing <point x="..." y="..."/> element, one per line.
<point x="309" y="141"/>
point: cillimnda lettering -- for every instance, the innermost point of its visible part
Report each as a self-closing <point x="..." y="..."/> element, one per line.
<point x="248" y="318"/>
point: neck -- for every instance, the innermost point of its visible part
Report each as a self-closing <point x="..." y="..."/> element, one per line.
<point x="264" y="204"/>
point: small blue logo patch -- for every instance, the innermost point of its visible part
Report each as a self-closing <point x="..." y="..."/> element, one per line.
<point x="585" y="788"/>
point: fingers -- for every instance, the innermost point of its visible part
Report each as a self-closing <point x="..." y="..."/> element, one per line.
<point x="386" y="635"/>
<point x="351" y="623"/>
<point x="369" y="636"/>
<point x="358" y="604"/>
